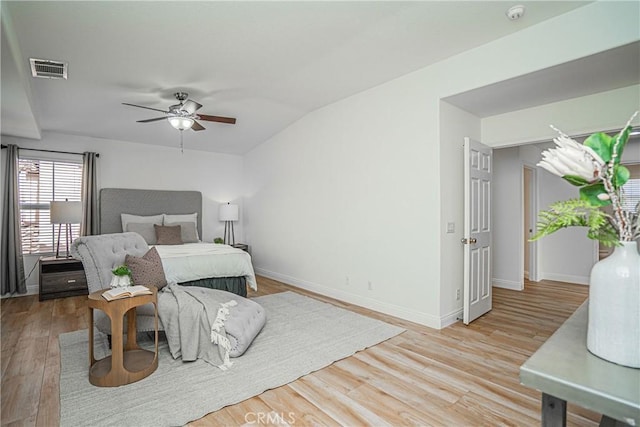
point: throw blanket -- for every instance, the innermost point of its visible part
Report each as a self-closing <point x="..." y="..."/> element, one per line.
<point x="194" y="261"/>
<point x="193" y="320"/>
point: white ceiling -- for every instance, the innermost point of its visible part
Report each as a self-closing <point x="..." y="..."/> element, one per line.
<point x="265" y="63"/>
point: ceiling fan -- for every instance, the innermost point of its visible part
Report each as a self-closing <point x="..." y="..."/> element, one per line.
<point x="183" y="115"/>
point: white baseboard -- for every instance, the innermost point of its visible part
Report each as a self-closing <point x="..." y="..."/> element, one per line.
<point x="580" y="280"/>
<point x="370" y="303"/>
<point x="507" y="284"/>
<point x="450" y="319"/>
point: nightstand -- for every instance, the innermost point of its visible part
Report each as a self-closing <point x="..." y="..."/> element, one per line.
<point x="242" y="246"/>
<point x="61" y="277"/>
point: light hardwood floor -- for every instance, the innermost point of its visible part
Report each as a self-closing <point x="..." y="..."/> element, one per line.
<point x="458" y="376"/>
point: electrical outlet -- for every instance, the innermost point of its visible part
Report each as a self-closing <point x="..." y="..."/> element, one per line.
<point x="370" y="285"/>
<point x="457" y="294"/>
<point x="451" y="227"/>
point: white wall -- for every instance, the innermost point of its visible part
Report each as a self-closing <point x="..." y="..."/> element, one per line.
<point x="455" y="124"/>
<point x="578" y="116"/>
<point x="354" y="190"/>
<point x="507" y="218"/>
<point x="332" y="198"/>
<point x="130" y="165"/>
<point x="568" y="254"/>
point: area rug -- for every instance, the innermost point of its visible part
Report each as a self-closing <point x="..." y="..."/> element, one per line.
<point x="301" y="336"/>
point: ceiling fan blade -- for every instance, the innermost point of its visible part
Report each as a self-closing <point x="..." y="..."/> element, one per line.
<point x="191" y="106"/>
<point x="218" y="119"/>
<point x="197" y="126"/>
<point x="140" y="106"/>
<point x="151" y="120"/>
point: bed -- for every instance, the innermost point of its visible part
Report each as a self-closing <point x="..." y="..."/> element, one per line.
<point x="189" y="264"/>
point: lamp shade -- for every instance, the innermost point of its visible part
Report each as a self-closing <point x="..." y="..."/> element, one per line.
<point x="228" y="212"/>
<point x="66" y="212"/>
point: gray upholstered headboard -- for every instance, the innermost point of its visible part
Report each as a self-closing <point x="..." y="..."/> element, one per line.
<point x="115" y="201"/>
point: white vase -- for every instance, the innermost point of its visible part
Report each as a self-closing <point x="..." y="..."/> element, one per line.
<point x="119" y="281"/>
<point x="613" y="332"/>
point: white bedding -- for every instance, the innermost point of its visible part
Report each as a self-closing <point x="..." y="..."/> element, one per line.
<point x="194" y="261"/>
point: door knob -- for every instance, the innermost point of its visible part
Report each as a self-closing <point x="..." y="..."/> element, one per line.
<point x="470" y="240"/>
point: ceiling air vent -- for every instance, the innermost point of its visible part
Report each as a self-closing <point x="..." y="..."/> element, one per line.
<point x="46" y="69"/>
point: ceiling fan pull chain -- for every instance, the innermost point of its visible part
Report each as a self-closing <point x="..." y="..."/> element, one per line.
<point x="181" y="142"/>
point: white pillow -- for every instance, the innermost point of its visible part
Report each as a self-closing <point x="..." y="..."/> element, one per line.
<point x="168" y="219"/>
<point x="182" y="218"/>
<point x="127" y="218"/>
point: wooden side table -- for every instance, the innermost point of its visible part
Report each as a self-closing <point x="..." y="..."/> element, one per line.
<point x="126" y="364"/>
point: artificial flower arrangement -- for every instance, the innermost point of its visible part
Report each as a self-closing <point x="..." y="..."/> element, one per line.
<point x="595" y="167"/>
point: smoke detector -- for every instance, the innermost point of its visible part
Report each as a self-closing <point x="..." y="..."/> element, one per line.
<point x="515" y="12"/>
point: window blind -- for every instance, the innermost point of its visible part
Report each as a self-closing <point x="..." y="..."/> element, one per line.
<point x="41" y="181"/>
<point x="631" y="188"/>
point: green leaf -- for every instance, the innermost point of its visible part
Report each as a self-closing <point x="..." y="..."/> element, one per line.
<point x="601" y="144"/>
<point x="620" y="143"/>
<point x="620" y="176"/>
<point x="577" y="213"/>
<point x="590" y="193"/>
<point x="122" y="270"/>
<point x="578" y="181"/>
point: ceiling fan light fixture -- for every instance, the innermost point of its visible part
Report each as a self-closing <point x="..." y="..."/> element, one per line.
<point x="181" y="123"/>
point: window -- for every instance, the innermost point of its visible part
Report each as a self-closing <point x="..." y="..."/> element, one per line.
<point x="631" y="188"/>
<point x="40" y="181"/>
<point x="631" y="191"/>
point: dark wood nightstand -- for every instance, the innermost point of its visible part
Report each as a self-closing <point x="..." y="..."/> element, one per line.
<point x="61" y="277"/>
<point x="242" y="246"/>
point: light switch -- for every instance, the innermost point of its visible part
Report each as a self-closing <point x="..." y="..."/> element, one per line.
<point x="451" y="227"/>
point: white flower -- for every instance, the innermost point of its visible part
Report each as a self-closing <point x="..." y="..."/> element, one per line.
<point x="572" y="158"/>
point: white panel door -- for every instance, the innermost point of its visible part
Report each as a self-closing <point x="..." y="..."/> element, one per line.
<point x="478" y="169"/>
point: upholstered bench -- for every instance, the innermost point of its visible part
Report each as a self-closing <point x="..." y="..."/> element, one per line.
<point x="192" y="316"/>
<point x="244" y="323"/>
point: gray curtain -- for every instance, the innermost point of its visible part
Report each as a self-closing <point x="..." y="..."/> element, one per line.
<point x="89" y="225"/>
<point x="12" y="266"/>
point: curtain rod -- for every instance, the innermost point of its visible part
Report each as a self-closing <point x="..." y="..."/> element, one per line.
<point x="49" y="151"/>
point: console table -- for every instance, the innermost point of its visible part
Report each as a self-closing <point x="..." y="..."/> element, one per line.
<point x="564" y="370"/>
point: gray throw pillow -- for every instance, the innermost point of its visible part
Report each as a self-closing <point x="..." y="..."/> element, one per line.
<point x="168" y="235"/>
<point x="147" y="270"/>
<point x="189" y="233"/>
<point x="146" y="230"/>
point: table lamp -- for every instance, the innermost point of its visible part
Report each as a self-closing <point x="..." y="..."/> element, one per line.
<point x="66" y="213"/>
<point x="229" y="214"/>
